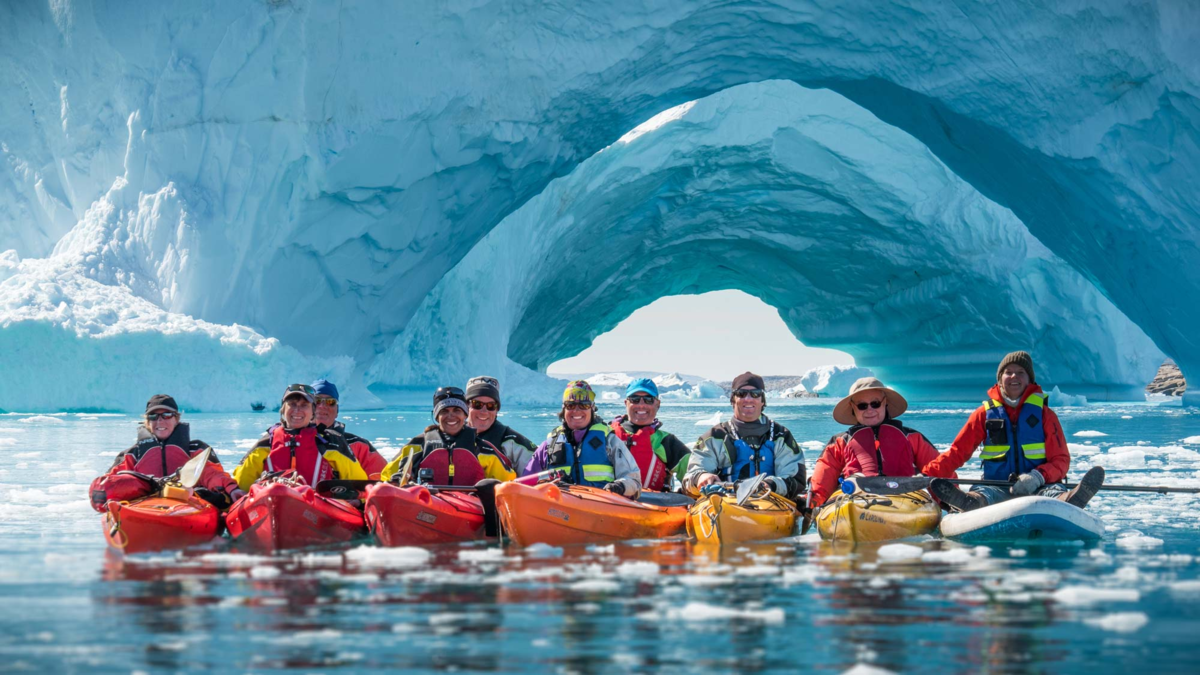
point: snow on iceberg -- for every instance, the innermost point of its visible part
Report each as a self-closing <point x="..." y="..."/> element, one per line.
<point x="833" y="381"/>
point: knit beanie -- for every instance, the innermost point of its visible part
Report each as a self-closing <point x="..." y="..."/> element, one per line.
<point x="579" y="391"/>
<point x="748" y="380"/>
<point x="1022" y="359"/>
<point x="483" y="386"/>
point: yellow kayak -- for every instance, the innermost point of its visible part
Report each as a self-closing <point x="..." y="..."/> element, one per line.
<point x="717" y="519"/>
<point x="866" y="517"/>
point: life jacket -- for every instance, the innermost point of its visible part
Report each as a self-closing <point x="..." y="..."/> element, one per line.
<point x="747" y="461"/>
<point x="162" y="458"/>
<point x="1008" y="451"/>
<point x="586" y="465"/>
<point x="885" y="450"/>
<point x="452" y="464"/>
<point x="646" y="446"/>
<point x="298" y="449"/>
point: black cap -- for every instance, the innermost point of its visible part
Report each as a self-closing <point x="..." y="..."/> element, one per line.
<point x="302" y="389"/>
<point x="748" y="379"/>
<point x="483" y="386"/>
<point x="161" y="402"/>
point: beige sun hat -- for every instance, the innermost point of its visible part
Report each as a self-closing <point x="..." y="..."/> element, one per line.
<point x="843" y="412"/>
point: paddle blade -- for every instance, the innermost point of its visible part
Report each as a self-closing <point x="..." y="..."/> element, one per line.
<point x="749" y="488"/>
<point x="892" y="485"/>
<point x="190" y="472"/>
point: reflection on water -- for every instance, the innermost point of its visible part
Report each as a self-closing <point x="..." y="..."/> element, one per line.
<point x="1126" y="604"/>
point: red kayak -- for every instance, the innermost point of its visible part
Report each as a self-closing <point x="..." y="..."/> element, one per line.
<point x="159" y="524"/>
<point x="414" y="515"/>
<point x="278" y="516"/>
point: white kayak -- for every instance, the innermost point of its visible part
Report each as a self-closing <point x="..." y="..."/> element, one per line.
<point x="1024" y="519"/>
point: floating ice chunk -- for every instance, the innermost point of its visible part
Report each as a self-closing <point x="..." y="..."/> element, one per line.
<point x="233" y="559"/>
<point x="638" y="569"/>
<point x="699" y="611"/>
<point x="1189" y="587"/>
<point x="1086" y="595"/>
<point x="1191" y="440"/>
<point x="402" y="556"/>
<point x="41" y="419"/>
<point x="264" y="572"/>
<point x="899" y="552"/>
<point x="954" y="556"/>
<point x="543" y="551"/>
<point x="1137" y="541"/>
<point x="595" y="586"/>
<point x="704" y="580"/>
<point x="868" y="669"/>
<point x="484" y="555"/>
<point x="711" y="421"/>
<point x="1120" y="622"/>
<point x="1089" y="434"/>
<point x="1121" y="457"/>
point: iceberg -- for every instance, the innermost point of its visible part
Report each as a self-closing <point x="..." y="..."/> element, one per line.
<point x="924" y="186"/>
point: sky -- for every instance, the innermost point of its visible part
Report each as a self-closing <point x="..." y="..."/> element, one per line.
<point x="678" y="334"/>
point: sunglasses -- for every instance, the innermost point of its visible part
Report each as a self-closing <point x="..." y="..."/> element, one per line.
<point x="872" y="404"/>
<point x="163" y="415"/>
<point x="577" y="405"/>
<point x="491" y="406"/>
<point x="299" y="389"/>
<point x="448" y="392"/>
<point x="325" y="400"/>
<point x="640" y="399"/>
<point x="752" y="393"/>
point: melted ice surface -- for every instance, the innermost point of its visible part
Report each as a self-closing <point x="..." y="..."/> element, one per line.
<point x="768" y="606"/>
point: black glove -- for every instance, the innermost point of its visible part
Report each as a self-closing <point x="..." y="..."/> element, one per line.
<point x="615" y="488"/>
<point x="215" y="497"/>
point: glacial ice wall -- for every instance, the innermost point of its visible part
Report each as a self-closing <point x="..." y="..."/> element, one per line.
<point x="863" y="238"/>
<point x="366" y="147"/>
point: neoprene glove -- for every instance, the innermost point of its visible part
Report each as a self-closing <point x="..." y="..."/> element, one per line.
<point x="615" y="488"/>
<point x="1027" y="484"/>
<point x="778" y="485"/>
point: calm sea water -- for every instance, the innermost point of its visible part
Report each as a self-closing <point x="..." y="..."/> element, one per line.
<point x="1128" y="604"/>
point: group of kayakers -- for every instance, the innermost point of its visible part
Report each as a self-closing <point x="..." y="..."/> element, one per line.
<point x="1021" y="438"/>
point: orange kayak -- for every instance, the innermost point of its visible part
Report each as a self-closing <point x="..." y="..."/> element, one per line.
<point x="557" y="514"/>
<point x="406" y="516"/>
<point x="159" y="524"/>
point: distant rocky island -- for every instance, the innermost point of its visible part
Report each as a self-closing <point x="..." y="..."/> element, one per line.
<point x="1169" y="380"/>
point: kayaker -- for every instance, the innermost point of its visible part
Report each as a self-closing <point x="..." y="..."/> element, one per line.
<point x="456" y="454"/>
<point x="658" y="453"/>
<point x="586" y="448"/>
<point x="876" y="444"/>
<point x="298" y="443"/>
<point x="483" y="399"/>
<point x="325" y="396"/>
<point x="1021" y="437"/>
<point x="163" y="445"/>
<point x="748" y="444"/>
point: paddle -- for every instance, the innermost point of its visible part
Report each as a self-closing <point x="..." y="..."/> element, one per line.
<point x="665" y="499"/>
<point x="890" y="485"/>
<point x="336" y="487"/>
<point x="190" y="472"/>
<point x="749" y="488"/>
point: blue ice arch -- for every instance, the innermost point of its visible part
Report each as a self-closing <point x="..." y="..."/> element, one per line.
<point x="295" y="187"/>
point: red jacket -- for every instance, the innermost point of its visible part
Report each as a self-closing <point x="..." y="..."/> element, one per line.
<point x="372" y="462"/>
<point x="156" y="458"/>
<point x="839" y="460"/>
<point x="1058" y="457"/>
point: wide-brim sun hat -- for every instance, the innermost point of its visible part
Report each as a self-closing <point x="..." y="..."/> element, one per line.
<point x="843" y="412"/>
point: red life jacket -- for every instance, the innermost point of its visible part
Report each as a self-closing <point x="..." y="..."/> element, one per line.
<point x="889" y="447"/>
<point x="641" y="446"/>
<point x="297" y="449"/>
<point x="455" y="465"/>
<point x="162" y="458"/>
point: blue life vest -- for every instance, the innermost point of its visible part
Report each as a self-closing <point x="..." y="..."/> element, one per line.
<point x="746" y="460"/>
<point x="1007" y="451"/>
<point x="587" y="465"/>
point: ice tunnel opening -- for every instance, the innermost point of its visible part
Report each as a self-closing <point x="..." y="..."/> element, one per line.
<point x="665" y="336"/>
